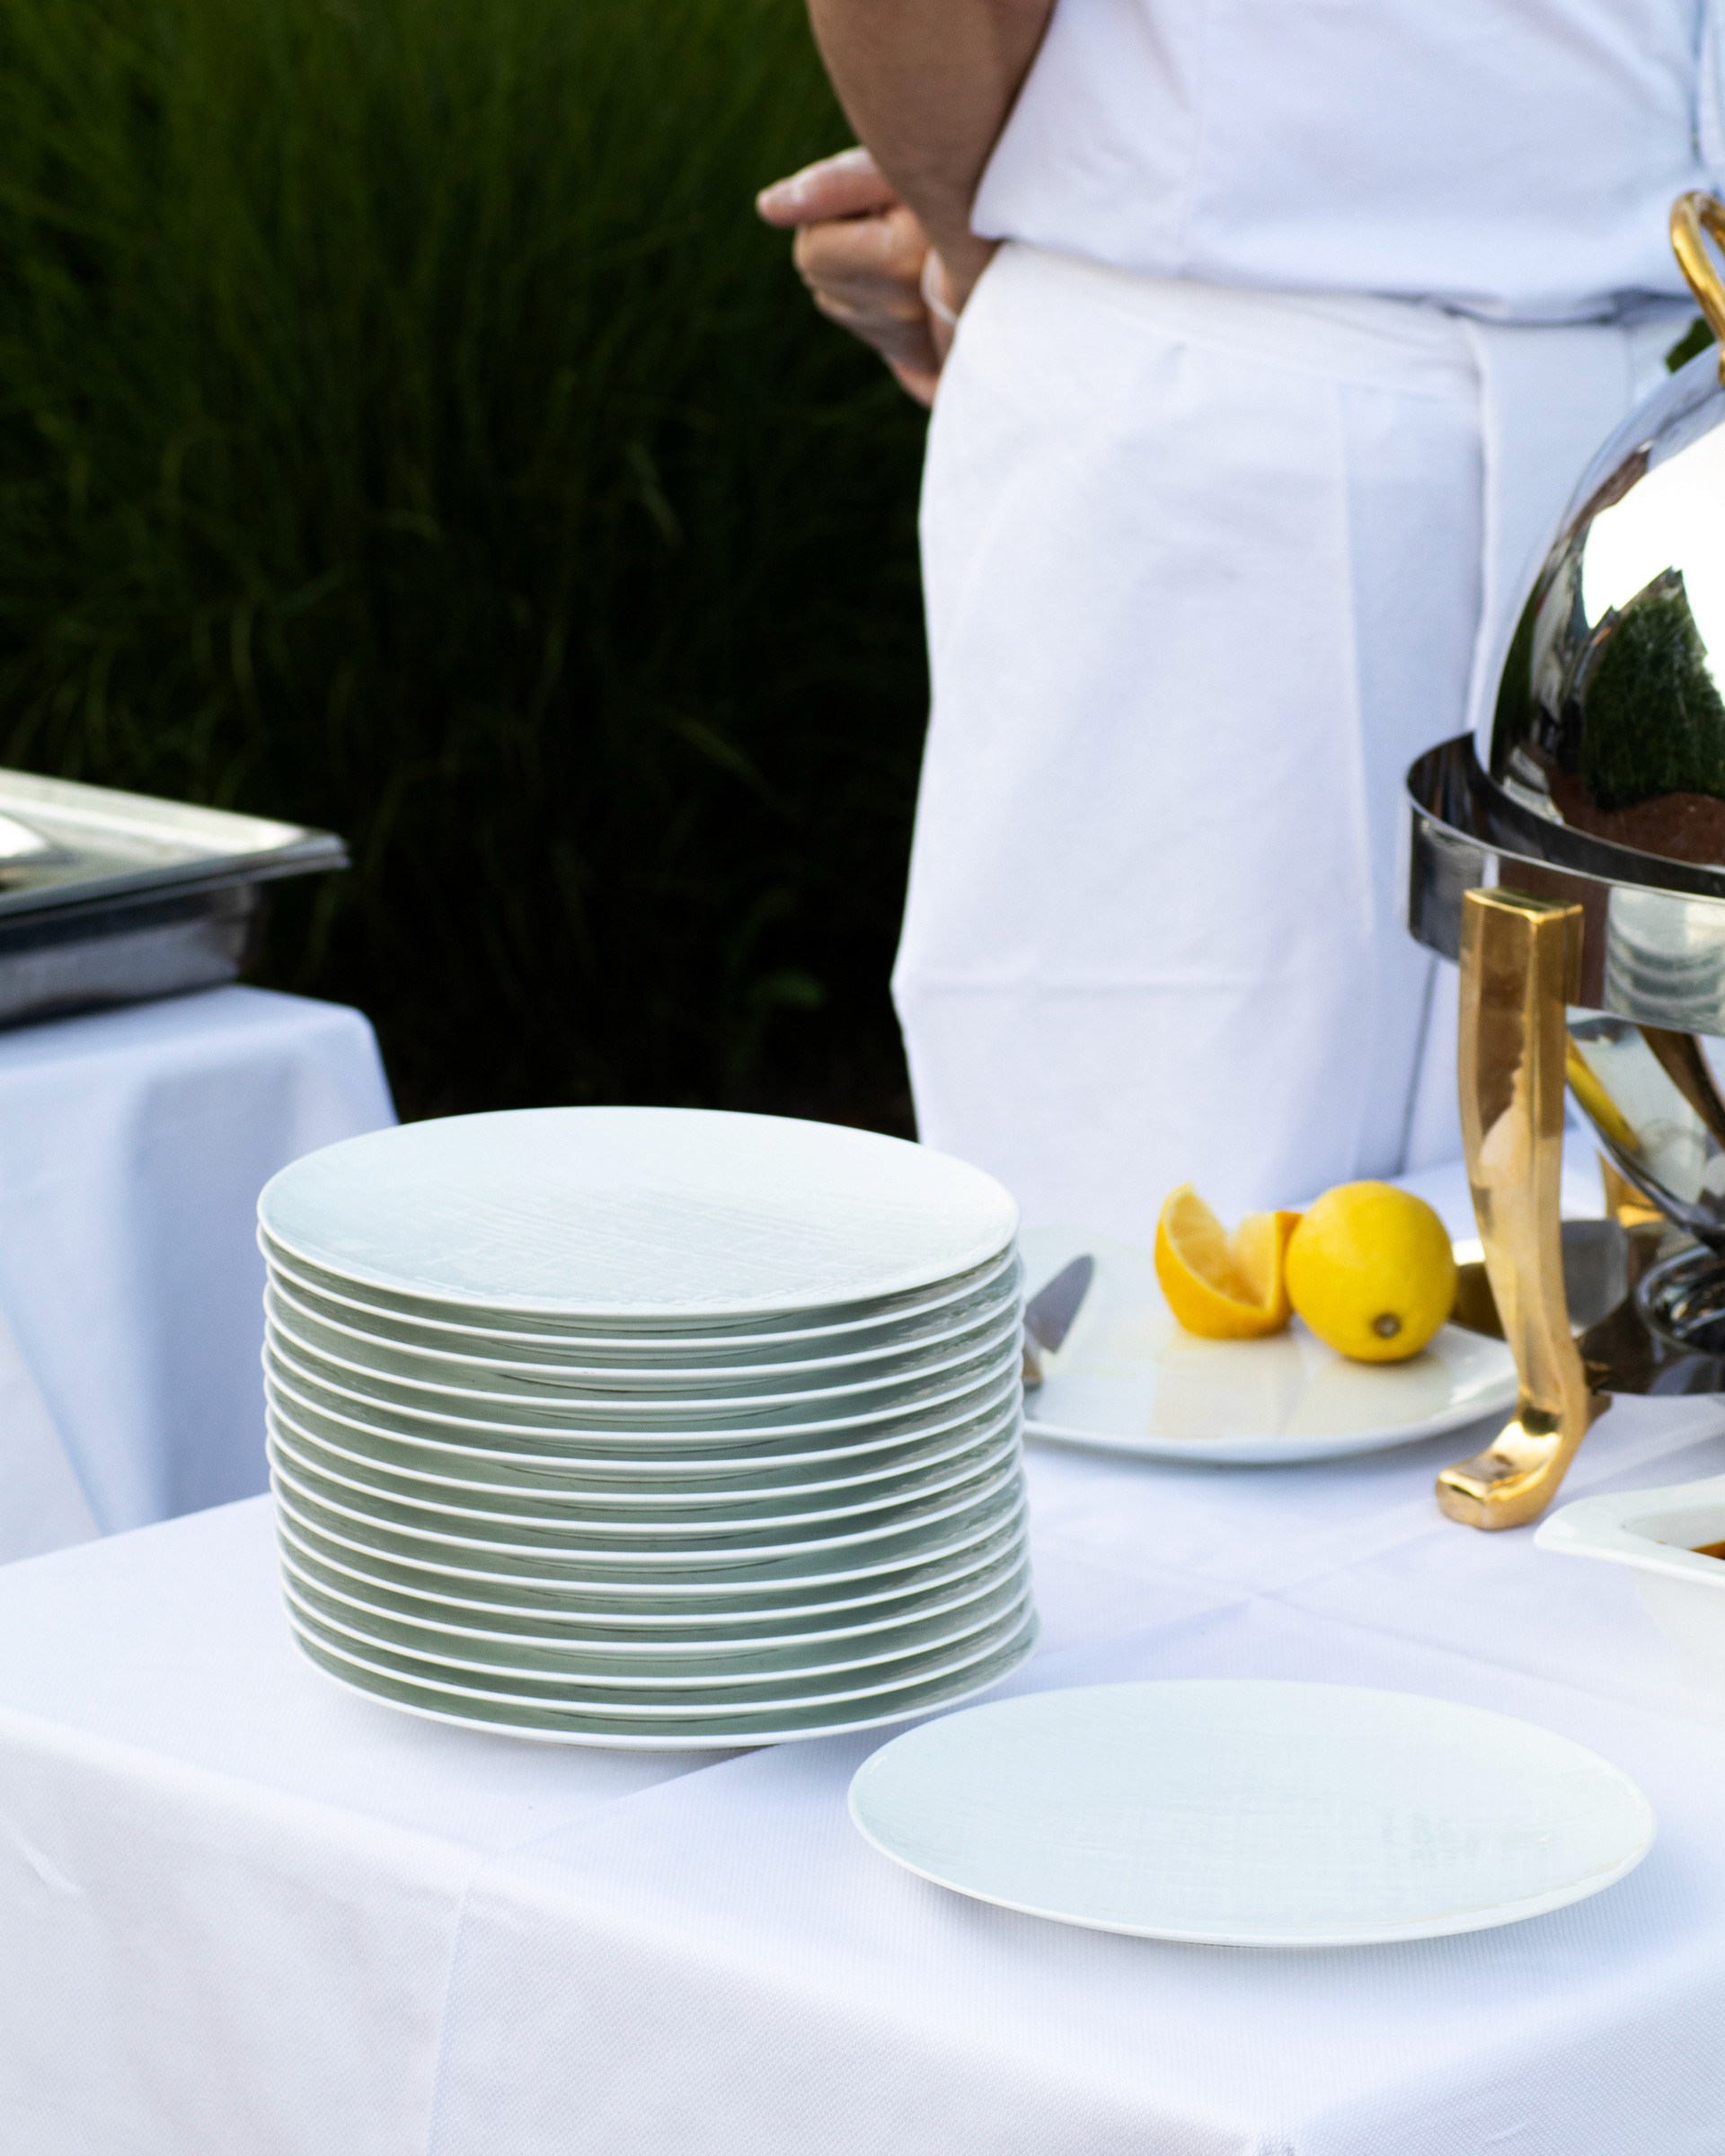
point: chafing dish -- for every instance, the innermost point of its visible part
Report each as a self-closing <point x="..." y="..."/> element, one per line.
<point x="109" y="897"/>
<point x="1571" y="857"/>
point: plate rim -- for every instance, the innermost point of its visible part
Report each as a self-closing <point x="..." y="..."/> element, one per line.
<point x="282" y="1286"/>
<point x="713" y="1579"/>
<point x="994" y="1446"/>
<point x="1006" y="1388"/>
<point x="674" y="1492"/>
<point x="667" y="1501"/>
<point x="996" y="1335"/>
<point x="1023" y="1631"/>
<point x="700" y="1557"/>
<point x="705" y="1433"/>
<point x="979" y="1586"/>
<point x="625" y="1685"/>
<point x="979" y="1280"/>
<point x="998" y="1201"/>
<point x="692" y="1742"/>
<point x="1012" y="1544"/>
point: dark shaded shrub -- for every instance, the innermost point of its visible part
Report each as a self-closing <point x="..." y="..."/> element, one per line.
<point x="405" y="428"/>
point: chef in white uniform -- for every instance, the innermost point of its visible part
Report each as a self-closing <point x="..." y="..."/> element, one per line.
<point x="1306" y="317"/>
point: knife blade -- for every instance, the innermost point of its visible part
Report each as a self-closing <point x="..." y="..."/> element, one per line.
<point x="1050" y="1313"/>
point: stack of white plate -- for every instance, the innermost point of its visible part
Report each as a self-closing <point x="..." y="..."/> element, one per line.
<point x="647" y="1426"/>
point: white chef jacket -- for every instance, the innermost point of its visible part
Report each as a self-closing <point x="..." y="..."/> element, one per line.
<point x="1509" y="157"/>
<point x="1217" y="538"/>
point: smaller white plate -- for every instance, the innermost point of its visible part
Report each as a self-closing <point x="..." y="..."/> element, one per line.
<point x="1131" y="1379"/>
<point x="1236" y="1813"/>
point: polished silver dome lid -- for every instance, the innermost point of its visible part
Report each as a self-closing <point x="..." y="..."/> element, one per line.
<point x="1610" y="714"/>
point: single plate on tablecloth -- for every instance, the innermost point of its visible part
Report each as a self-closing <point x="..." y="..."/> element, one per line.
<point x="1129" y="1379"/>
<point x="1250" y="1814"/>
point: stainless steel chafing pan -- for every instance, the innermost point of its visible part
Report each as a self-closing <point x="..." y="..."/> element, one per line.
<point x="109" y="897"/>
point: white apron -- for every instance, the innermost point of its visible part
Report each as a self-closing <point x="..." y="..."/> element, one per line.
<point x="1215" y="544"/>
<point x="1204" y="569"/>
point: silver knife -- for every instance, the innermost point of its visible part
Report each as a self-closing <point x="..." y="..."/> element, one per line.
<point x="1050" y="1313"/>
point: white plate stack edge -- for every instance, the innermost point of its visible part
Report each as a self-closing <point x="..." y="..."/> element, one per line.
<point x="648" y="1427"/>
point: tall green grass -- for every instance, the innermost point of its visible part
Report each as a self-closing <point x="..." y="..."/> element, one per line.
<point x="405" y="428"/>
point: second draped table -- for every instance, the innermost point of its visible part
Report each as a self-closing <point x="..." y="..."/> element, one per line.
<point x="132" y="1146"/>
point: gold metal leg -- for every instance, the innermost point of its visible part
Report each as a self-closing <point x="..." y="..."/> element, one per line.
<point x="1519" y="962"/>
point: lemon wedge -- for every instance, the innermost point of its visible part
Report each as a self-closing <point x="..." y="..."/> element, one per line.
<point x="1222" y="1287"/>
<point x="1371" y="1271"/>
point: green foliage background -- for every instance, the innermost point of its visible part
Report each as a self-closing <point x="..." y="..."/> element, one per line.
<point x="405" y="428"/>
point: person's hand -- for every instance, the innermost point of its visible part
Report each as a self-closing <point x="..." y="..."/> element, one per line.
<point x="867" y="260"/>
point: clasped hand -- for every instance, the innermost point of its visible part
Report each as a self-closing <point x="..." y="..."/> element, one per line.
<point x="865" y="257"/>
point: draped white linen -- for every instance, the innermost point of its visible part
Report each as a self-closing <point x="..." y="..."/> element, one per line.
<point x="133" y="1143"/>
<point x="1308" y="318"/>
<point x="244" y="1910"/>
<point x="1205" y="571"/>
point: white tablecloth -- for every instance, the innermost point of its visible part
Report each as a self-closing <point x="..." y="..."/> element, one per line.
<point x="133" y="1144"/>
<point x="244" y="1911"/>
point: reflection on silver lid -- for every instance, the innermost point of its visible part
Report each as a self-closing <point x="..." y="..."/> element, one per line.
<point x="1610" y="716"/>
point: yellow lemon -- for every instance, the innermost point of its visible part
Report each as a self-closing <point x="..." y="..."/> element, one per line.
<point x="1222" y="1287"/>
<point x="1370" y="1271"/>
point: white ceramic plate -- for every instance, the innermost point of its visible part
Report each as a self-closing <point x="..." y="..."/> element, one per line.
<point x="475" y="1367"/>
<point x="549" y="1559"/>
<point x="737" y="1395"/>
<point x="483" y="1573"/>
<point x="677" y="1353"/>
<point x="514" y="1636"/>
<point x="676" y="1453"/>
<point x="651" y="1730"/>
<point x="562" y="1675"/>
<point x="796" y="1514"/>
<point x="638" y="1212"/>
<point x="792" y="1333"/>
<point x="483" y="1599"/>
<point x="582" y="1548"/>
<point x="1129" y="1379"/>
<point x="656" y="1482"/>
<point x="1246" y="1813"/>
<point x="917" y="1406"/>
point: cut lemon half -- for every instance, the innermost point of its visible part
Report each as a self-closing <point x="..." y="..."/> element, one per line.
<point x="1222" y="1287"/>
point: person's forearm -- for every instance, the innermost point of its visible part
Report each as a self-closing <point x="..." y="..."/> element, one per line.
<point x="927" y="84"/>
